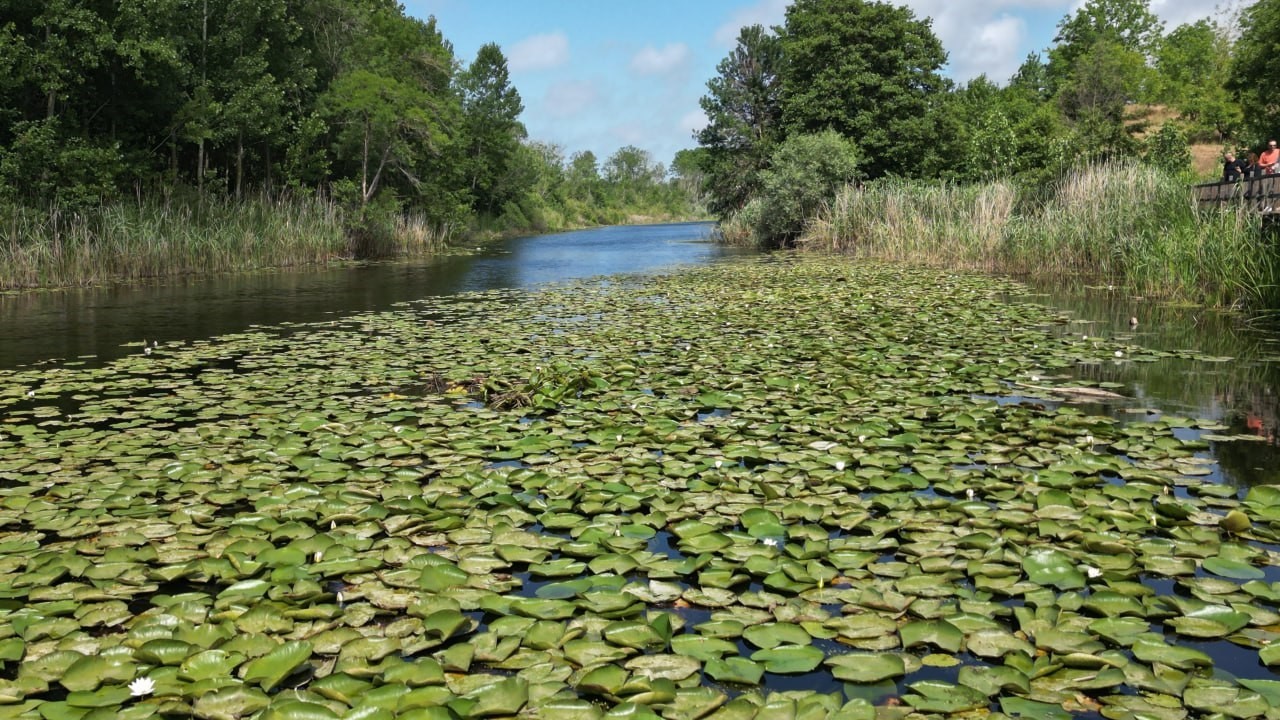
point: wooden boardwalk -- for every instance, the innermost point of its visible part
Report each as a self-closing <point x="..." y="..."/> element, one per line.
<point x="1259" y="193"/>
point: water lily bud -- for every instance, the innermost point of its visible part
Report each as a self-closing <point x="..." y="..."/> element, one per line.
<point x="1236" y="522"/>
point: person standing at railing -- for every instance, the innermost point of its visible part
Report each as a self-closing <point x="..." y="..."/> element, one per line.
<point x="1269" y="159"/>
<point x="1233" y="170"/>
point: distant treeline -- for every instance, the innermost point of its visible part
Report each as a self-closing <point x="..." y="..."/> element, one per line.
<point x="851" y="91"/>
<point x="351" y="101"/>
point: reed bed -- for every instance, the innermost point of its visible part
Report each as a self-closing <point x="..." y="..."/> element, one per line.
<point x="55" y="247"/>
<point x="1131" y="224"/>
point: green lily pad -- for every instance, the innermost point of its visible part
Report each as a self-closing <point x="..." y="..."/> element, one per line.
<point x="789" y="659"/>
<point x="872" y="668"/>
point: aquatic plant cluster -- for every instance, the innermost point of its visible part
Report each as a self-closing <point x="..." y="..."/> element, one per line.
<point x="1130" y="224"/>
<point x="774" y="488"/>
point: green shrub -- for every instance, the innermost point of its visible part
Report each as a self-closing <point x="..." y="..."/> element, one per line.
<point x="804" y="172"/>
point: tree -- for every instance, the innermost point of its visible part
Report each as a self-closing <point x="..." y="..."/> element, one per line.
<point x="804" y="172"/>
<point x="1094" y="96"/>
<point x="687" y="167"/>
<point x="1127" y="24"/>
<point x="394" y="115"/>
<point x="1031" y="78"/>
<point x="1194" y="67"/>
<point x="976" y="134"/>
<point x="490" y="109"/>
<point x="1255" y="68"/>
<point x="744" y="113"/>
<point x="868" y="70"/>
<point x="583" y="177"/>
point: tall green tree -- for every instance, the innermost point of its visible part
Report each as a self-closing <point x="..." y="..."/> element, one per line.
<point x="1255" y="68"/>
<point x="744" y="118"/>
<point x="395" y="116"/>
<point x="583" y="177"/>
<point x="491" y="109"/>
<point x="1194" y="67"/>
<point x="1125" y="24"/>
<point x="868" y="70"/>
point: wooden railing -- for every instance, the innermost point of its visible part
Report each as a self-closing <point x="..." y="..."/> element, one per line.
<point x="1258" y="193"/>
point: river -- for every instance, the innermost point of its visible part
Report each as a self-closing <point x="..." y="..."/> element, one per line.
<point x="96" y="325"/>
<point x="1218" y="370"/>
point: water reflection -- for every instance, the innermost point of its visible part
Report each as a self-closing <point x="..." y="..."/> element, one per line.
<point x="100" y="321"/>
<point x="1235" y="386"/>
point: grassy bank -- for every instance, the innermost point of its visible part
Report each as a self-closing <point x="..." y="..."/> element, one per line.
<point x="1132" y="225"/>
<point x="53" y="247"/>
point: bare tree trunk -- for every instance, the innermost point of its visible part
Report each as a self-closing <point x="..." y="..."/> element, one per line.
<point x="53" y="94"/>
<point x="239" y="162"/>
<point x="364" y="168"/>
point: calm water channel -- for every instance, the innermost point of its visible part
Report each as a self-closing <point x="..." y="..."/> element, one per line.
<point x="100" y="324"/>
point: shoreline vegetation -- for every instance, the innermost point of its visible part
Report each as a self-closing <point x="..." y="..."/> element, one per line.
<point x="1127" y="223"/>
<point x="824" y="135"/>
<point x="164" y="237"/>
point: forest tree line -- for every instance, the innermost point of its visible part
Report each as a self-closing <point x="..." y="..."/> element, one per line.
<point x="849" y="91"/>
<point x="102" y="101"/>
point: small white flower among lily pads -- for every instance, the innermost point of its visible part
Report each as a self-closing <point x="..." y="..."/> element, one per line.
<point x="142" y="686"/>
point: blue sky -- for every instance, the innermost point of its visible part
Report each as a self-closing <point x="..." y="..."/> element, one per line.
<point x="600" y="74"/>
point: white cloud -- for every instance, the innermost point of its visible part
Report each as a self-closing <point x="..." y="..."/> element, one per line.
<point x="693" y="121"/>
<point x="539" y="52"/>
<point x="567" y="99"/>
<point x="764" y="12"/>
<point x="1178" y="12"/>
<point x="630" y="133"/>
<point x="661" y="61"/>
<point x="993" y="48"/>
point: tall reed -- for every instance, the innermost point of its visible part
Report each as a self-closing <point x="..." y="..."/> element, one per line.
<point x="175" y="235"/>
<point x="1132" y="224"/>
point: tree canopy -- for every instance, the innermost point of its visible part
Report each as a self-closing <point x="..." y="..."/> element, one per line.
<point x="867" y="70"/>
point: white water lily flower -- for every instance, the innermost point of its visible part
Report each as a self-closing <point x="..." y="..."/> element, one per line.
<point x="1119" y="354"/>
<point x="719" y="463"/>
<point x="142" y="686"/>
<point x="969" y="493"/>
<point x="318" y="556"/>
<point x="772" y="542"/>
<point x="862" y="438"/>
<point x="1035" y="378"/>
<point x="1091" y="571"/>
<point x="840" y="465"/>
<point x="31" y="393"/>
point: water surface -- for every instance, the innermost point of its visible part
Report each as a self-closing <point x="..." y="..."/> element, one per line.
<point x="100" y="322"/>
